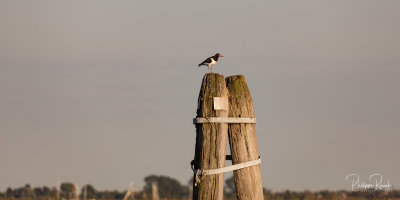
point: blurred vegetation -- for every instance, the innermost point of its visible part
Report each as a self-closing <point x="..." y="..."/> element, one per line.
<point x="171" y="189"/>
<point x="167" y="187"/>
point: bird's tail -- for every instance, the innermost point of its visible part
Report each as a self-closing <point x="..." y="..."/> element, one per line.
<point x="199" y="64"/>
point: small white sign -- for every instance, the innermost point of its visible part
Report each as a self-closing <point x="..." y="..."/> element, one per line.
<point x="221" y="103"/>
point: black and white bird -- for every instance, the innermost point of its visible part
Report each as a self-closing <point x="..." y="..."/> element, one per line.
<point x="211" y="61"/>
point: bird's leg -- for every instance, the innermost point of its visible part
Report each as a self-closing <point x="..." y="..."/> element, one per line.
<point x="209" y="69"/>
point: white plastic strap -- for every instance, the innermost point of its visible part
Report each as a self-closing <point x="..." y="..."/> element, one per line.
<point x="200" y="173"/>
<point x="231" y="120"/>
<point x="231" y="168"/>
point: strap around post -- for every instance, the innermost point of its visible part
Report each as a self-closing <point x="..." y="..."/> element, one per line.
<point x="230" y="120"/>
<point x="200" y="173"/>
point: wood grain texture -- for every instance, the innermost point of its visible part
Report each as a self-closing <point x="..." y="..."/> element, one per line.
<point x="211" y="139"/>
<point x="243" y="140"/>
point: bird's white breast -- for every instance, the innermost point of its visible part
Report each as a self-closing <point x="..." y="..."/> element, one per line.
<point x="213" y="62"/>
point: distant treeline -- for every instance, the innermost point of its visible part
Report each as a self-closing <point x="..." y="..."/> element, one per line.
<point x="172" y="189"/>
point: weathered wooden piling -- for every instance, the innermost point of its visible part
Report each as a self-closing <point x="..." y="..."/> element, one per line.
<point x="243" y="140"/>
<point x="211" y="139"/>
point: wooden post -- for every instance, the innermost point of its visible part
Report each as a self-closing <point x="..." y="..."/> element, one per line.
<point x="243" y="140"/>
<point x="132" y="190"/>
<point x="211" y="139"/>
<point x="154" y="191"/>
<point x="130" y="193"/>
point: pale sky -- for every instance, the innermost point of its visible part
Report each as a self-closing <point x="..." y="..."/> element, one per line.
<point x="104" y="92"/>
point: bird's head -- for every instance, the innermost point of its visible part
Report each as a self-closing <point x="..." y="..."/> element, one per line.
<point x="219" y="55"/>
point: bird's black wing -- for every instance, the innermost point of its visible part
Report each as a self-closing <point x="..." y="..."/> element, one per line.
<point x="206" y="62"/>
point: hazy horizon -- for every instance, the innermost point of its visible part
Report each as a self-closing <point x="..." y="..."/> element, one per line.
<point x="104" y="92"/>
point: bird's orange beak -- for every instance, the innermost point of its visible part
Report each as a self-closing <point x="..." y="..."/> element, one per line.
<point x="221" y="55"/>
